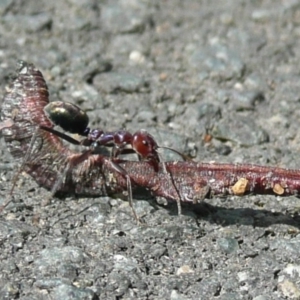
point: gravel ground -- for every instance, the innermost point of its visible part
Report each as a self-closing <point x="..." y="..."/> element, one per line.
<point x="183" y="70"/>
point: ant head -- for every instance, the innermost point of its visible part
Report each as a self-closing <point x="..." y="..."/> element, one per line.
<point x="144" y="144"/>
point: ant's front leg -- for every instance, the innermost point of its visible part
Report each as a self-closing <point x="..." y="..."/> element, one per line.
<point x="60" y="135"/>
<point x="146" y="147"/>
<point x="123" y="172"/>
<point x="118" y="140"/>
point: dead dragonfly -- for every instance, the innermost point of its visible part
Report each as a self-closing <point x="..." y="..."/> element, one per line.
<point x="93" y="175"/>
<point x="71" y="118"/>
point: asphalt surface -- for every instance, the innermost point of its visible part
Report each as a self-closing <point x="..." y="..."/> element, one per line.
<point x="185" y="71"/>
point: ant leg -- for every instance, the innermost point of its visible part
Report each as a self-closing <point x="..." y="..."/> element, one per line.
<point x="18" y="172"/>
<point x="129" y="188"/>
<point x="73" y="161"/>
<point x="130" y="197"/>
<point x="60" y="134"/>
<point x="178" y="199"/>
<point x="76" y="160"/>
<point x="185" y="158"/>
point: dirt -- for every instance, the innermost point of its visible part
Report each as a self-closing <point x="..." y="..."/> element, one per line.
<point x="215" y="78"/>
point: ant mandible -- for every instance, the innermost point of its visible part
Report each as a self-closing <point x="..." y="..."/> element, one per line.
<point x="74" y="120"/>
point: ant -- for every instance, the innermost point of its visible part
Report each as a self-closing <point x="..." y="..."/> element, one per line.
<point x="74" y="120"/>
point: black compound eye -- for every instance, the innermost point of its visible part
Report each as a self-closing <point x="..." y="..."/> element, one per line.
<point x="68" y="116"/>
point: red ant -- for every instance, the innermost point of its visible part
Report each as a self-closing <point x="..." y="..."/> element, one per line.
<point x="72" y="119"/>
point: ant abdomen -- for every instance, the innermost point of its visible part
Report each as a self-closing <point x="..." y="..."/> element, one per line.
<point x="68" y="116"/>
